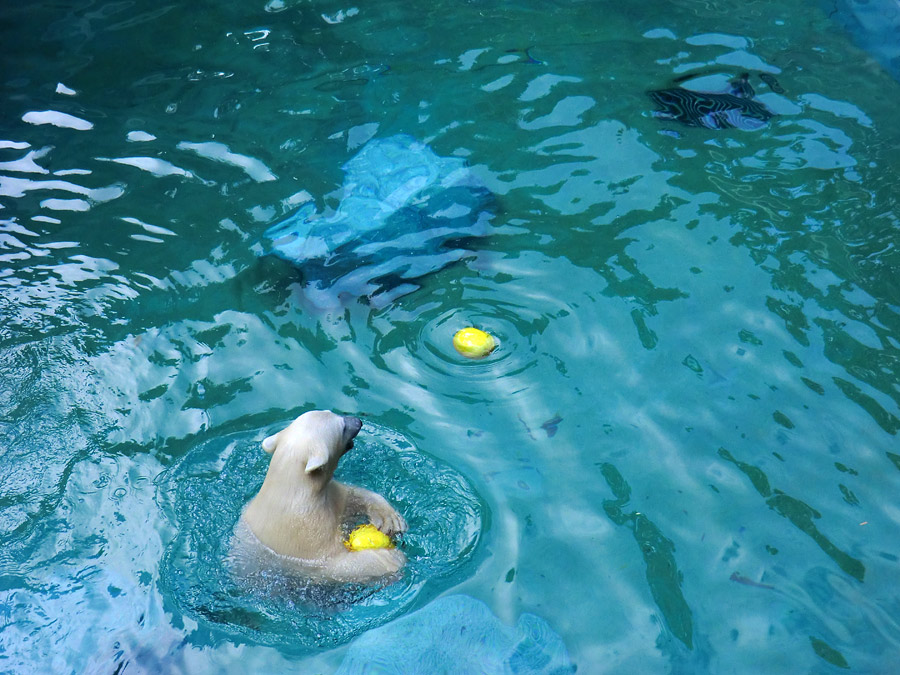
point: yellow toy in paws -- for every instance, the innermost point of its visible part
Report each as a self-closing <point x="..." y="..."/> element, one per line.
<point x="367" y="536"/>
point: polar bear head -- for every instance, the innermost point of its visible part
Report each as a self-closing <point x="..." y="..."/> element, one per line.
<point x="312" y="444"/>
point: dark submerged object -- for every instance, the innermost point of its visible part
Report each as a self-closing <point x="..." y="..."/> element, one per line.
<point x="735" y="109"/>
<point x="402" y="214"/>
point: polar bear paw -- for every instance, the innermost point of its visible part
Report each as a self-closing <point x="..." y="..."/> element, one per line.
<point x="385" y="518"/>
<point x="388" y="560"/>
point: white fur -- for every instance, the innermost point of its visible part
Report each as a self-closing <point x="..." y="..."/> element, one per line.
<point x="295" y="520"/>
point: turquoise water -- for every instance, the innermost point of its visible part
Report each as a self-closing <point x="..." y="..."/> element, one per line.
<point x="683" y="457"/>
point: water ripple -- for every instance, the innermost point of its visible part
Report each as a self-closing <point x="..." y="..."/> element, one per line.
<point x="207" y="490"/>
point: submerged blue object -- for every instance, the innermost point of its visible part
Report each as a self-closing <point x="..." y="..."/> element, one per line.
<point x="458" y="634"/>
<point x="874" y="25"/>
<point x="400" y="204"/>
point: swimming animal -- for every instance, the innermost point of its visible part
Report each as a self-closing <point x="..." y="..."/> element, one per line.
<point x="734" y="109"/>
<point x="402" y="213"/>
<point x="292" y="527"/>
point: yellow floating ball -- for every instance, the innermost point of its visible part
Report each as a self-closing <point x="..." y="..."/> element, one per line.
<point x="367" y="536"/>
<point x="473" y="343"/>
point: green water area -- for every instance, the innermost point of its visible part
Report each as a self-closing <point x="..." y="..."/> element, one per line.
<point x="678" y="220"/>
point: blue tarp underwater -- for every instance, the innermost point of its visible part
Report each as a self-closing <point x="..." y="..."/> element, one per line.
<point x="402" y="207"/>
<point x="458" y="634"/>
<point x="874" y="25"/>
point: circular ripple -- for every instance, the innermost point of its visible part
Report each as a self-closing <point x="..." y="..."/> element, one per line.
<point x="210" y="486"/>
<point x="434" y="342"/>
<point x="418" y="341"/>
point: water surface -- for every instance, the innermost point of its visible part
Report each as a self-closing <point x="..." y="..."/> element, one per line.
<point x="687" y="441"/>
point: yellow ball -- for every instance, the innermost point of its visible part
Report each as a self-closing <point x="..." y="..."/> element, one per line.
<point x="367" y="536"/>
<point x="473" y="343"/>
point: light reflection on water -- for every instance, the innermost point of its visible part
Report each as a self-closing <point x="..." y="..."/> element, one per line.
<point x="687" y="436"/>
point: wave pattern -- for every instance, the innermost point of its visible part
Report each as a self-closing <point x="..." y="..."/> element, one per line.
<point x="694" y="404"/>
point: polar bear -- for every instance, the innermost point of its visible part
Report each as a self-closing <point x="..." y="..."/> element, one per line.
<point x="293" y="525"/>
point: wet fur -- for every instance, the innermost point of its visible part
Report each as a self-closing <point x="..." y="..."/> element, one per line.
<point x="294" y="523"/>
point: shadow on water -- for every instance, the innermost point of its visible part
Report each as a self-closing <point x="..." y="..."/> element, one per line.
<point x="801" y="515"/>
<point x="663" y="577"/>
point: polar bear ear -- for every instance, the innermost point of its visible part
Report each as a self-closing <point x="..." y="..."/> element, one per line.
<point x="270" y="443"/>
<point x="317" y="458"/>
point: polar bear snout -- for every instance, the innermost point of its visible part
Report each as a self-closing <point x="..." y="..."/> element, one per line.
<point x="352" y="425"/>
